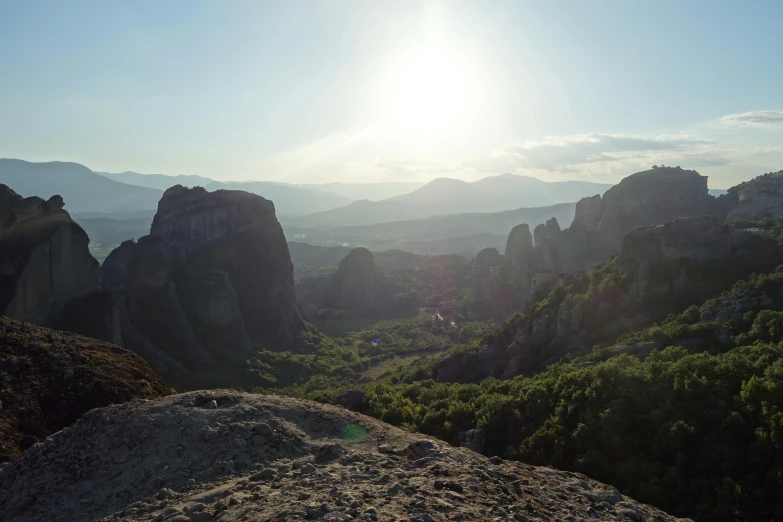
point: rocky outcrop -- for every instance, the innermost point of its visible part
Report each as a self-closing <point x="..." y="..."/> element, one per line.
<point x="211" y="283"/>
<point x="588" y="213"/>
<point x="758" y="198"/>
<point x="651" y="197"/>
<point x="474" y="440"/>
<point x="488" y="259"/>
<point x="699" y="238"/>
<point x="520" y="255"/>
<point x="351" y="399"/>
<point x="356" y="283"/>
<point x="46" y="270"/>
<point x="49" y="379"/>
<point x="233" y="456"/>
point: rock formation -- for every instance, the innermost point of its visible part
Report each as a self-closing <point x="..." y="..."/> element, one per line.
<point x="522" y="259"/>
<point x="231" y="456"/>
<point x="49" y="379"/>
<point x="646" y="198"/>
<point x="47" y="275"/>
<point x="486" y="260"/>
<point x="356" y="283"/>
<point x="211" y="283"/>
<point x="698" y="238"/>
<point x="758" y="198"/>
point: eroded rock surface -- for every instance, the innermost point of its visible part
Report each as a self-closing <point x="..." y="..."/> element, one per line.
<point x="270" y="458"/>
<point x="48" y="379"/>
<point x="46" y="267"/>
<point x="211" y="283"/>
<point x="758" y="198"/>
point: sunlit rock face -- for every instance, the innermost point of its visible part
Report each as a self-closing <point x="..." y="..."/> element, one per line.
<point x="46" y="268"/>
<point x="211" y="283"/>
<point x="646" y="198"/>
<point x="758" y="198"/>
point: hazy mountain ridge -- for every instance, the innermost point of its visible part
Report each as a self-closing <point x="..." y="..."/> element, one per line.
<point x="289" y="200"/>
<point x="156" y="181"/>
<point x="451" y="196"/>
<point x="83" y="189"/>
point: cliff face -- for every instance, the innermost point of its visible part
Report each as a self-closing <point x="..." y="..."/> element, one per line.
<point x="758" y="198"/>
<point x="698" y="238"/>
<point x="212" y="282"/>
<point x="651" y="197"/>
<point x="50" y="379"/>
<point x="46" y="268"/>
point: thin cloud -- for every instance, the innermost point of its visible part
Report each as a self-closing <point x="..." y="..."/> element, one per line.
<point x="561" y="151"/>
<point x="754" y="119"/>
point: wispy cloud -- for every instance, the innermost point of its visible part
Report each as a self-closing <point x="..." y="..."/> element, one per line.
<point x="754" y="119"/>
<point x="557" y="152"/>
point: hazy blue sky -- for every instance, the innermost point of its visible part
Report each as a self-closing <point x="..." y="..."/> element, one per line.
<point x="310" y="91"/>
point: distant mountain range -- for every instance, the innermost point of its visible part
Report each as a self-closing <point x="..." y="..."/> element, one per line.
<point x="157" y="181"/>
<point x="450" y="196"/>
<point x="82" y="189"/>
<point x="289" y="200"/>
<point x="370" y="191"/>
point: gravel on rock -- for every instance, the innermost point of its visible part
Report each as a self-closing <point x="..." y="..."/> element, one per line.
<point x="272" y="458"/>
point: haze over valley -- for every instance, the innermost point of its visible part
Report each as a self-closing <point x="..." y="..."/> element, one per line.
<point x="422" y="261"/>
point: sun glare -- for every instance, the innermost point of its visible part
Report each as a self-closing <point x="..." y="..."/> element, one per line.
<point x="431" y="91"/>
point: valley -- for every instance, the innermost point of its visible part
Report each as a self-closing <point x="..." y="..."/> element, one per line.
<point x="639" y="334"/>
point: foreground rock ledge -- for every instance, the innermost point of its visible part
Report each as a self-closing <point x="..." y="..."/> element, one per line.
<point x="229" y="456"/>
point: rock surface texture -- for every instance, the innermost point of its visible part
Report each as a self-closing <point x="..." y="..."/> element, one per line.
<point x="698" y="238"/>
<point x="48" y="379"/>
<point x="646" y="198"/>
<point x="212" y="282"/>
<point x="758" y="198"/>
<point x="46" y="267"/>
<point x="229" y="456"/>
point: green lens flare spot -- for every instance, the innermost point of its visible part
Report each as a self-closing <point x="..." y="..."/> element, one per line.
<point x="354" y="433"/>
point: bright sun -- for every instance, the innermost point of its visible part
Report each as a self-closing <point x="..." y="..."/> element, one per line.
<point x="430" y="92"/>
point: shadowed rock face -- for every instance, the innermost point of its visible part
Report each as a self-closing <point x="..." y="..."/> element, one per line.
<point x="212" y="282"/>
<point x="646" y="198"/>
<point x="356" y="280"/>
<point x="46" y="270"/>
<point x="698" y="238"/>
<point x="50" y="379"/>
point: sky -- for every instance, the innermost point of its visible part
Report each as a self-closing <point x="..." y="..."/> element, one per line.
<point x="365" y="91"/>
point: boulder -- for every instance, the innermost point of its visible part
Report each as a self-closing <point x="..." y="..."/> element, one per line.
<point x="474" y="440"/>
<point x="351" y="399"/>
<point x="448" y="369"/>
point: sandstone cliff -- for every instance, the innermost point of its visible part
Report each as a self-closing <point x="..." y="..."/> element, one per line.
<point x="758" y="198"/>
<point x="46" y="270"/>
<point x="211" y="283"/>
<point x="646" y="198"/>
<point x="231" y="456"/>
<point x="698" y="238"/>
<point x="48" y="379"/>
